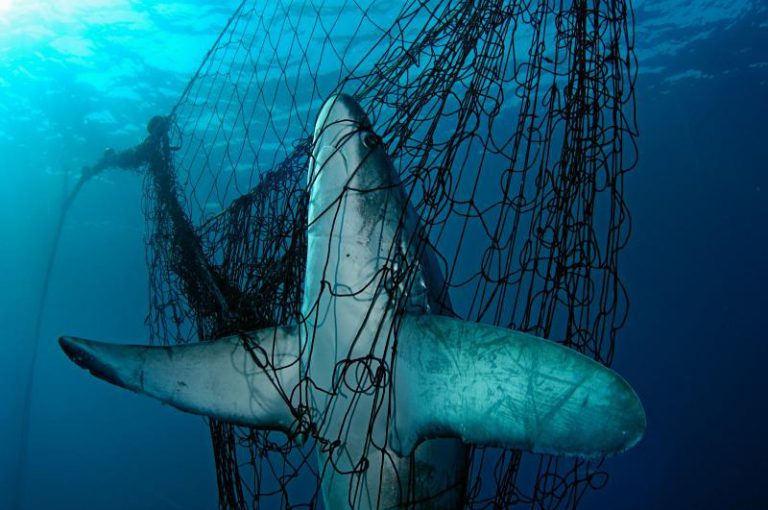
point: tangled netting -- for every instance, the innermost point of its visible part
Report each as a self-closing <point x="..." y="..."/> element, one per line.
<point x="511" y="124"/>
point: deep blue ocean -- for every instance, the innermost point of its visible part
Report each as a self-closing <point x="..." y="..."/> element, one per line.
<point x="77" y="76"/>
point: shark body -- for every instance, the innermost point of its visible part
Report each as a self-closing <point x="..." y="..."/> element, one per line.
<point x="394" y="389"/>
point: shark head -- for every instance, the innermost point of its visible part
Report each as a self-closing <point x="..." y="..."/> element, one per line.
<point x="348" y="157"/>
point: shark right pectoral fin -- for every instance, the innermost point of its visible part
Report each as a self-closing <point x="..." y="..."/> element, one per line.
<point x="499" y="387"/>
<point x="242" y="380"/>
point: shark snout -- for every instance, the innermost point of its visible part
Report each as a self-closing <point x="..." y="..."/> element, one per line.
<point x="341" y="112"/>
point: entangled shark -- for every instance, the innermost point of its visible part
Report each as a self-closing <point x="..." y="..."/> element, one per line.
<point x="393" y="386"/>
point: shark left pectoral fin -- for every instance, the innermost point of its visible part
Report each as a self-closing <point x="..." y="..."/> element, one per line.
<point x="236" y="379"/>
<point x="499" y="387"/>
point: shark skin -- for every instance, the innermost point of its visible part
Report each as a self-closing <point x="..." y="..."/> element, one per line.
<point x="394" y="389"/>
<point x="229" y="378"/>
<point x="360" y="224"/>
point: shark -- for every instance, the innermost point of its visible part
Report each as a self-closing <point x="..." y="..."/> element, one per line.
<point x="393" y="385"/>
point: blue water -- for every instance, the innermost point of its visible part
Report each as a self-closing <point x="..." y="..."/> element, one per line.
<point x="78" y="76"/>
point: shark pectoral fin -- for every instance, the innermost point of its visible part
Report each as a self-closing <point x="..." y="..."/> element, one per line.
<point x="239" y="380"/>
<point x="499" y="387"/>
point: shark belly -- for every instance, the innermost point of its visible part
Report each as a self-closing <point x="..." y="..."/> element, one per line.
<point x="349" y="323"/>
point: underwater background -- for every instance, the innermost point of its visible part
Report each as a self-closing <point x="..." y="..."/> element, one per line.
<point x="78" y="76"/>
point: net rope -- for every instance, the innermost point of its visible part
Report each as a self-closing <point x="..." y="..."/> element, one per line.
<point x="511" y="124"/>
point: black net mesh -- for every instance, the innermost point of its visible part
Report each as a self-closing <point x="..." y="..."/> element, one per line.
<point x="511" y="124"/>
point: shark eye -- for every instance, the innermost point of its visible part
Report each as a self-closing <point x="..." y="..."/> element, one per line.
<point x="370" y="140"/>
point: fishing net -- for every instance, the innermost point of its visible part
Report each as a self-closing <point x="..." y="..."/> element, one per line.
<point x="511" y="124"/>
